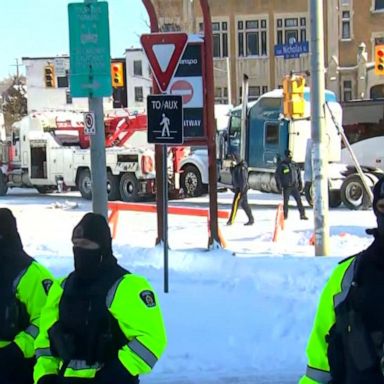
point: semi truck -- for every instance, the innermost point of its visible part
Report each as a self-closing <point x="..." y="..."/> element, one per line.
<point x="268" y="133"/>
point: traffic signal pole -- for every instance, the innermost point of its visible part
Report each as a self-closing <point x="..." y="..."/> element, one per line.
<point x="318" y="128"/>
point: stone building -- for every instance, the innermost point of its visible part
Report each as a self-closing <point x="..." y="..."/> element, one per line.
<point x="247" y="36"/>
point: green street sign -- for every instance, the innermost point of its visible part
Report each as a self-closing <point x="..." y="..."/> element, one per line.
<point x="90" y="57"/>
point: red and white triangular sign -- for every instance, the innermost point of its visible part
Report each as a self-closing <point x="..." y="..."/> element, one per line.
<point x="164" y="51"/>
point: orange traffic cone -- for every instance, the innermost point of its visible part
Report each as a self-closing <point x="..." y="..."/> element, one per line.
<point x="312" y="239"/>
<point x="279" y="222"/>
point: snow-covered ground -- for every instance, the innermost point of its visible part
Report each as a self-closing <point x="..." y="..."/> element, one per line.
<point x="236" y="315"/>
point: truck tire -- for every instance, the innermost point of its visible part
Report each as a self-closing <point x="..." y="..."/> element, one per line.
<point x="334" y="196"/>
<point x="113" y="187"/>
<point x="84" y="184"/>
<point x="129" y="188"/>
<point x="3" y="184"/>
<point x="190" y="181"/>
<point x="353" y="194"/>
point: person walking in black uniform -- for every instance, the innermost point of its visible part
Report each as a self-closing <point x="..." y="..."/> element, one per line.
<point x="288" y="179"/>
<point x="240" y="185"/>
<point x="24" y="285"/>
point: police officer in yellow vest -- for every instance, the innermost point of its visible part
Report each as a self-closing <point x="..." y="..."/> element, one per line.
<point x="24" y="285"/>
<point x="346" y="345"/>
<point x="101" y="324"/>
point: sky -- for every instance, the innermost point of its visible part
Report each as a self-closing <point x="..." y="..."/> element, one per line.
<point x="39" y="28"/>
<point x="239" y="315"/>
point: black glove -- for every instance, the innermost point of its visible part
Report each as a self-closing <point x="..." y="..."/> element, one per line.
<point x="49" y="379"/>
<point x="114" y="372"/>
<point x="11" y="357"/>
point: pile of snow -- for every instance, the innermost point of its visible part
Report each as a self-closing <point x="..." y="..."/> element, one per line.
<point x="236" y="315"/>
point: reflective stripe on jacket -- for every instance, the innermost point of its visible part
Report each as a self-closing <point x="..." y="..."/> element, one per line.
<point x="141" y="323"/>
<point x="30" y="286"/>
<point x="334" y="293"/>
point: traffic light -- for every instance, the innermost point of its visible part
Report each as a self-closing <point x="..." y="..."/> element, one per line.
<point x="49" y="76"/>
<point x="117" y="72"/>
<point x="293" y="91"/>
<point x="379" y="60"/>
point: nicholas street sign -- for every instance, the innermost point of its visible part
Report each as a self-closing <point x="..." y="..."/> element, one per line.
<point x="292" y="51"/>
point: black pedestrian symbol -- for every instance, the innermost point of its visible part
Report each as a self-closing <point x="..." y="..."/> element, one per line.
<point x="165" y="122"/>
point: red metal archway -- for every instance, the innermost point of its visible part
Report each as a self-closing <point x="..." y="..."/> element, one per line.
<point x="214" y="238"/>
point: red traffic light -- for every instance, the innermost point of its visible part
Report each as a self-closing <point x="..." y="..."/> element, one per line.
<point x="379" y="60"/>
<point x="117" y="72"/>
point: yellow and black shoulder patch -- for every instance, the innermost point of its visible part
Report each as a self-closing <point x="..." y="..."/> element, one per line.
<point x="149" y="298"/>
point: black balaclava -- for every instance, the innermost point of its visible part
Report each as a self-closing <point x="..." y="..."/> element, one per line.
<point x="288" y="154"/>
<point x="378" y="194"/>
<point x="89" y="262"/>
<point x="10" y="242"/>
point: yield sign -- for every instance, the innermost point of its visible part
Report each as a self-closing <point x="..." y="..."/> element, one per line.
<point x="164" y="51"/>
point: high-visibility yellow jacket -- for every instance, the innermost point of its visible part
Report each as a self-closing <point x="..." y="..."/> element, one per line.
<point x="141" y="323"/>
<point x="32" y="285"/>
<point x="334" y="293"/>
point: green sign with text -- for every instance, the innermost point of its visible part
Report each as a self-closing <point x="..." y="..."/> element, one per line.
<point x="90" y="57"/>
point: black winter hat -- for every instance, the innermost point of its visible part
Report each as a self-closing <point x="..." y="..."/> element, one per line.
<point x="94" y="227"/>
<point x="8" y="228"/>
<point x="378" y="193"/>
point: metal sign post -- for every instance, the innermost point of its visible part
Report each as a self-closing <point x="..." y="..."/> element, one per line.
<point x="165" y="127"/>
<point x="90" y="77"/>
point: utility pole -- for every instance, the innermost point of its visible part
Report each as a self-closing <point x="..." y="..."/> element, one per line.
<point x="17" y="65"/>
<point x="318" y="128"/>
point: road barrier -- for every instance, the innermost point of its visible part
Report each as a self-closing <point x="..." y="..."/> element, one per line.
<point x="116" y="206"/>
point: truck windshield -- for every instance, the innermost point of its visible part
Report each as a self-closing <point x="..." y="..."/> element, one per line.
<point x="234" y="132"/>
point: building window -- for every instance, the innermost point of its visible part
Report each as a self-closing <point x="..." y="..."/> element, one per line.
<point x="379" y="5"/>
<point x="170" y="27"/>
<point x="137" y="68"/>
<point x="139" y="94"/>
<point x="252" y="38"/>
<point x="291" y="30"/>
<point x="220" y="38"/>
<point x="377" y="92"/>
<point x="254" y="92"/>
<point x="347" y="93"/>
<point x="346" y="2"/>
<point x="62" y="81"/>
<point x="68" y="97"/>
<point x="221" y="95"/>
<point x="346" y="25"/>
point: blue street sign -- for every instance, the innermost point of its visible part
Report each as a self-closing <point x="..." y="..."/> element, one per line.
<point x="292" y="51"/>
<point x="90" y="58"/>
